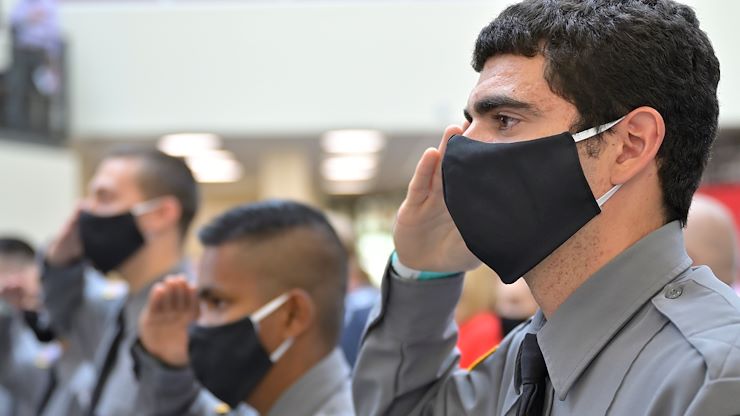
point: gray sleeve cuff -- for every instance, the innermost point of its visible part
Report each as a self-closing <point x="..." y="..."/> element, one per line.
<point x="64" y="292"/>
<point x="414" y="310"/>
<point x="163" y="390"/>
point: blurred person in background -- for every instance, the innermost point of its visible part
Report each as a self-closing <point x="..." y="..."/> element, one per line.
<point x="133" y="222"/>
<point x="479" y="329"/>
<point x="24" y="382"/>
<point x="36" y="49"/>
<point x="711" y="238"/>
<point x="514" y="304"/>
<point x="362" y="295"/>
<point x="38" y="369"/>
<point x="267" y="314"/>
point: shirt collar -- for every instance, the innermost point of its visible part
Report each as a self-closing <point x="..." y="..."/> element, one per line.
<point x="315" y="387"/>
<point x="582" y="326"/>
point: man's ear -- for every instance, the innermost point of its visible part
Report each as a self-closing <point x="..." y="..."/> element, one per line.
<point x="301" y="314"/>
<point x="640" y="136"/>
<point x="165" y="216"/>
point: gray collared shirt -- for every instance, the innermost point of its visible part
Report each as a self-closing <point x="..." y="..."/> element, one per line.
<point x="323" y="391"/>
<point x="646" y="335"/>
<point x="86" y="314"/>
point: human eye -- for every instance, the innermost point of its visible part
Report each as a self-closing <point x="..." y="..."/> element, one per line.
<point x="505" y="122"/>
<point x="214" y="303"/>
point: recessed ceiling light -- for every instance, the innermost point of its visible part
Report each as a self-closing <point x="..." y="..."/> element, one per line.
<point x="353" y="141"/>
<point x="215" y="166"/>
<point x="349" y="168"/>
<point x="188" y="144"/>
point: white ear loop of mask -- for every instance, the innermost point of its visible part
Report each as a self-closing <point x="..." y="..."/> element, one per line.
<point x="269" y="308"/>
<point x="146" y="206"/>
<point x="281" y="350"/>
<point x="601" y="201"/>
<point x="262" y="313"/>
<point x="587" y="134"/>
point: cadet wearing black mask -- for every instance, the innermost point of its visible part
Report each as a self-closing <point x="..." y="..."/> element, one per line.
<point x="268" y="306"/>
<point x="133" y="222"/>
<point x="585" y="138"/>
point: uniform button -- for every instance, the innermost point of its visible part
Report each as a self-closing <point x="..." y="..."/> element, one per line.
<point x="672" y="292"/>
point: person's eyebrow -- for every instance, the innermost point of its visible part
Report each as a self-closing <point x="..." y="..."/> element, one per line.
<point x="492" y="102"/>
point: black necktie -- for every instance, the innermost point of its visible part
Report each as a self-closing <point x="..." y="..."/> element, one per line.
<point x="108" y="364"/>
<point x="532" y="373"/>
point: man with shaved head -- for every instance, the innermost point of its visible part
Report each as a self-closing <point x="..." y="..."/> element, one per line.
<point x="710" y="238"/>
<point x="269" y="308"/>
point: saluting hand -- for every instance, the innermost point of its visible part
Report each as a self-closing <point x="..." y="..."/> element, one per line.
<point x="163" y="324"/>
<point x="425" y="235"/>
<point x="67" y="245"/>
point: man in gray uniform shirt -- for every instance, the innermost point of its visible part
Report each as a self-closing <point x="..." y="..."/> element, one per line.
<point x="586" y="137"/>
<point x="268" y="305"/>
<point x="133" y="222"/>
<point x="40" y="371"/>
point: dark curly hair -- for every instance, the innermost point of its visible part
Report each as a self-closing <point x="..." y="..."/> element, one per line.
<point x="608" y="57"/>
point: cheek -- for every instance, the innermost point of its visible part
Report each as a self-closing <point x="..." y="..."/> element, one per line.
<point x="208" y="317"/>
<point x="593" y="162"/>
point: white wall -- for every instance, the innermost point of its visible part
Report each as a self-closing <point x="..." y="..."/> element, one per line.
<point x="39" y="187"/>
<point x="144" y="68"/>
<point x="236" y="67"/>
<point x="720" y="20"/>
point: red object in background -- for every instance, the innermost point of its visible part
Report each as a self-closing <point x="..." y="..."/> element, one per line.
<point x="729" y="195"/>
<point x="478" y="336"/>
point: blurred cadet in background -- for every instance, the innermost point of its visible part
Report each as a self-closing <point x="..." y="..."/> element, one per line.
<point x="42" y="372"/>
<point x="362" y="295"/>
<point x="134" y="220"/>
<point x="268" y="304"/>
<point x="24" y="383"/>
<point x="514" y="304"/>
<point x="711" y="238"/>
<point x="36" y="50"/>
<point x="479" y="329"/>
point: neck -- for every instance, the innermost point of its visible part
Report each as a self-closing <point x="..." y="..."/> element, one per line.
<point x="299" y="359"/>
<point x="151" y="262"/>
<point x="591" y="248"/>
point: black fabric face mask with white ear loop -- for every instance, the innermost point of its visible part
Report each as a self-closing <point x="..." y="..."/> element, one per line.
<point x="516" y="203"/>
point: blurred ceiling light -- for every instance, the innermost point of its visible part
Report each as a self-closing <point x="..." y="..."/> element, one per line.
<point x="347" y="188"/>
<point x="352" y="141"/>
<point x="215" y="166"/>
<point x="188" y="144"/>
<point x="349" y="168"/>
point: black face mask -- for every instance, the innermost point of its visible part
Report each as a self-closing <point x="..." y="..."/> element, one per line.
<point x="229" y="360"/>
<point x="109" y="241"/>
<point x="515" y="203"/>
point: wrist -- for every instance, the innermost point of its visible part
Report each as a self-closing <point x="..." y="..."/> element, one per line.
<point x="406" y="272"/>
<point x="162" y="358"/>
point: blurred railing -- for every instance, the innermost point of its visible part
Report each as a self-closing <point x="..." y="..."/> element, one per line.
<point x="39" y="95"/>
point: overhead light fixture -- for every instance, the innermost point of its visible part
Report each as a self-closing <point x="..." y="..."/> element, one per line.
<point x="188" y="144"/>
<point x="215" y="166"/>
<point x="349" y="168"/>
<point x="352" y="141"/>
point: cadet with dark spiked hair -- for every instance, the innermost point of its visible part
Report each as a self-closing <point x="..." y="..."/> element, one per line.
<point x="269" y="309"/>
<point x="586" y="136"/>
